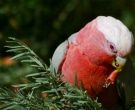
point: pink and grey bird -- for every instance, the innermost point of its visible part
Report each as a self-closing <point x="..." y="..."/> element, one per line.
<point x="95" y="55"/>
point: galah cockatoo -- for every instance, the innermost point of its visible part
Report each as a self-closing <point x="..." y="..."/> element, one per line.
<point x="94" y="56"/>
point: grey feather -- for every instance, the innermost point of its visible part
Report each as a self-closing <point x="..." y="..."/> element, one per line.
<point x="61" y="51"/>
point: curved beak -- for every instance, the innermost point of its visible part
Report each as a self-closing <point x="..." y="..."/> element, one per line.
<point x="118" y="63"/>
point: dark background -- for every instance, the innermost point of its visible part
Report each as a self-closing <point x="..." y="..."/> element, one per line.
<point x="43" y="24"/>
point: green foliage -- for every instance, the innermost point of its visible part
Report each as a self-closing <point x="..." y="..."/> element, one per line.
<point x="11" y="74"/>
<point x="44" y="90"/>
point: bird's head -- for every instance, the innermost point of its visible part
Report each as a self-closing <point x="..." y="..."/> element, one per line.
<point x="120" y="41"/>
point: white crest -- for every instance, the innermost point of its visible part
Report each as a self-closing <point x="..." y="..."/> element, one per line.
<point x="116" y="32"/>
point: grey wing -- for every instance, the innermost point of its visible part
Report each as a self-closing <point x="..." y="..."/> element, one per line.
<point x="59" y="55"/>
<point x="61" y="51"/>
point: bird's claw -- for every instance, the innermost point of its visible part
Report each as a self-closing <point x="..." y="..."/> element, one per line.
<point x="107" y="83"/>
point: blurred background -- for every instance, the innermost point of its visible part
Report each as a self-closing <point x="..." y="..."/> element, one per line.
<point x="44" y="24"/>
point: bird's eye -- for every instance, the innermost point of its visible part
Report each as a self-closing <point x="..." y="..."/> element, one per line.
<point x="112" y="47"/>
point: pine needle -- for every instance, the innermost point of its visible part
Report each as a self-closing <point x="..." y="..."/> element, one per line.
<point x="44" y="90"/>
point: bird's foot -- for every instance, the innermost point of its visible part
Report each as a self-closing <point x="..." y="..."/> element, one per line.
<point x="107" y="83"/>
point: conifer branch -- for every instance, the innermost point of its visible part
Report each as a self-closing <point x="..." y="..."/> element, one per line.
<point x="44" y="90"/>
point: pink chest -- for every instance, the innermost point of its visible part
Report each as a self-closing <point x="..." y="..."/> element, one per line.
<point x="77" y="65"/>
